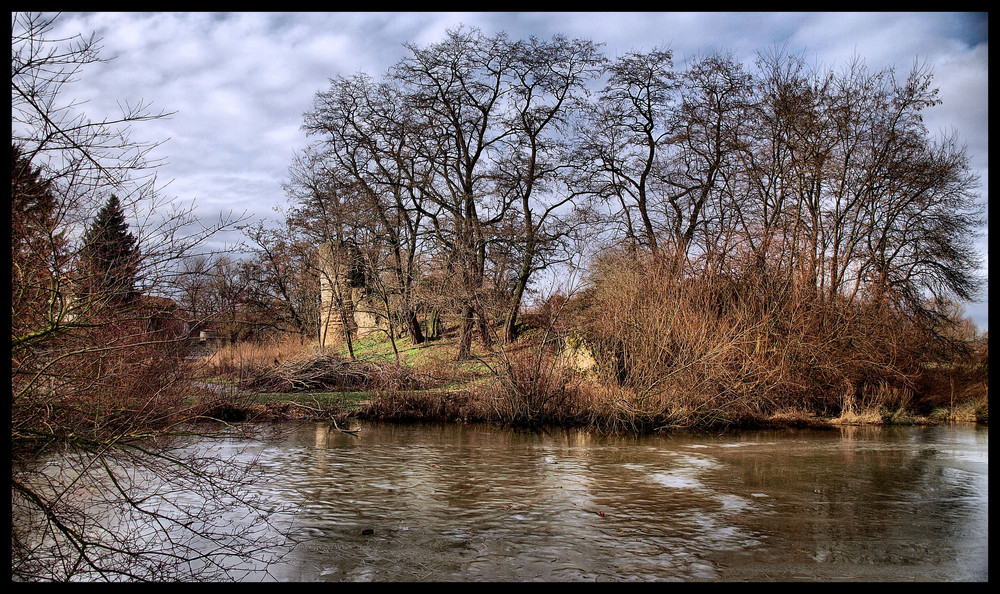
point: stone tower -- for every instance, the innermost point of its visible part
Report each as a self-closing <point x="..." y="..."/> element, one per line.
<point x="335" y="294"/>
<point x="343" y="295"/>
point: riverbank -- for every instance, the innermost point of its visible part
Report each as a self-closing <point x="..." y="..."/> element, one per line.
<point x="525" y="386"/>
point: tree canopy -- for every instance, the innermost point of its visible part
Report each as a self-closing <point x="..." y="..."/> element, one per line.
<point x="109" y="259"/>
<point x="479" y="161"/>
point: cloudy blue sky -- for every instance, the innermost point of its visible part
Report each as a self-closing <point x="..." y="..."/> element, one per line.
<point x="240" y="82"/>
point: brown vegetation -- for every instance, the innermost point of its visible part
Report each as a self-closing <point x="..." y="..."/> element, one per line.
<point x="671" y="354"/>
<point x="779" y="246"/>
<point x="677" y="350"/>
<point x="101" y="393"/>
<point x="765" y="243"/>
<point x="718" y="349"/>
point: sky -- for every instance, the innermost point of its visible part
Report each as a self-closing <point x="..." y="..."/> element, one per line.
<point x="238" y="84"/>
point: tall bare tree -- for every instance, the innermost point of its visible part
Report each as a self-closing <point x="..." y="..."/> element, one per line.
<point x="715" y="105"/>
<point x="98" y="395"/>
<point x="548" y="83"/>
<point x="454" y="157"/>
<point x="458" y="89"/>
<point x="365" y="138"/>
<point x="491" y="113"/>
<point x="624" y="140"/>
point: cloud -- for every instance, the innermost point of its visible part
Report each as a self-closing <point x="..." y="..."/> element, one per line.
<point x="241" y="82"/>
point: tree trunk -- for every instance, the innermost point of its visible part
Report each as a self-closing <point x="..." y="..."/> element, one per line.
<point x="510" y="326"/>
<point x="465" y="334"/>
<point x="413" y="326"/>
<point x="484" y="328"/>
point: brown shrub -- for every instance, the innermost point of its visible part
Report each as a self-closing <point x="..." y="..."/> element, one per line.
<point x="708" y="348"/>
<point x="531" y="388"/>
<point x="405" y="406"/>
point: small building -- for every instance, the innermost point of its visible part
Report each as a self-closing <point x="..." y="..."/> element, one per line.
<point x="162" y="316"/>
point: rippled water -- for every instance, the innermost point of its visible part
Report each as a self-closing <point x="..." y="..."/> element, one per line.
<point x="463" y="503"/>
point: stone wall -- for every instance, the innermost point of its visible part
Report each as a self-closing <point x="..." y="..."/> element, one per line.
<point x="343" y="296"/>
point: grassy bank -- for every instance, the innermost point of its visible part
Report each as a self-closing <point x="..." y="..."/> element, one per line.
<point x="536" y="382"/>
<point x="651" y="345"/>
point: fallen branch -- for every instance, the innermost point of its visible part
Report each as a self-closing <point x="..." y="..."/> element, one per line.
<point x="334" y="425"/>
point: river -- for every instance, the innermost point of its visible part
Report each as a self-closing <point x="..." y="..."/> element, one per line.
<point x="473" y="503"/>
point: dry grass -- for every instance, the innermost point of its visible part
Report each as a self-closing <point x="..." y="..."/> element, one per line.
<point x="460" y="406"/>
<point x="720" y="350"/>
<point x="882" y="403"/>
<point x="292" y="366"/>
<point x="976" y="410"/>
<point x="671" y="351"/>
<point x="247" y="359"/>
<point x="955" y="393"/>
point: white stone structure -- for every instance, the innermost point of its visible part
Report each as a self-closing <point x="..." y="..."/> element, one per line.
<point x="344" y="299"/>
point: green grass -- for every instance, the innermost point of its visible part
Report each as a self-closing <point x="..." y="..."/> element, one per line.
<point x="372" y="348"/>
<point x="431" y="356"/>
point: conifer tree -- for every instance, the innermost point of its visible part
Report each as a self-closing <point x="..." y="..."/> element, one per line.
<point x="110" y="257"/>
<point x="32" y="204"/>
<point x="37" y="246"/>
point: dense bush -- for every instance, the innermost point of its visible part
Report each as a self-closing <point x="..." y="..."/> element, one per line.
<point x="707" y="348"/>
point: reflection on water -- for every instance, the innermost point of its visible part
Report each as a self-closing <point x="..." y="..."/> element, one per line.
<point x="461" y="503"/>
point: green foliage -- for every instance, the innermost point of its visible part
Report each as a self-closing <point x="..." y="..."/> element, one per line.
<point x="110" y="258"/>
<point x="37" y="246"/>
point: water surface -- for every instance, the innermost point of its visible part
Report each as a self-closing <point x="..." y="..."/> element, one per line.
<point x="464" y="503"/>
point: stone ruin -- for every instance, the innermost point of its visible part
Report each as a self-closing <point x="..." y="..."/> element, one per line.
<point x="344" y="296"/>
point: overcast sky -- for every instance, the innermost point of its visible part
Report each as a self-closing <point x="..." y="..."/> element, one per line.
<point x="240" y="82"/>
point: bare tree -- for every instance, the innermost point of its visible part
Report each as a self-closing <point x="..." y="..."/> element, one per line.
<point x="458" y="89"/>
<point x="624" y="138"/>
<point x="283" y="273"/>
<point x="491" y="112"/>
<point x="454" y="157"/>
<point x="716" y="99"/>
<point x="365" y="137"/>
<point x="917" y="203"/>
<point x="100" y="395"/>
<point x="862" y="202"/>
<point x="549" y="79"/>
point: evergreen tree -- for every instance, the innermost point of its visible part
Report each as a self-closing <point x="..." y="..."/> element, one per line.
<point x="37" y="246"/>
<point x="110" y="257"/>
<point x="32" y="202"/>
